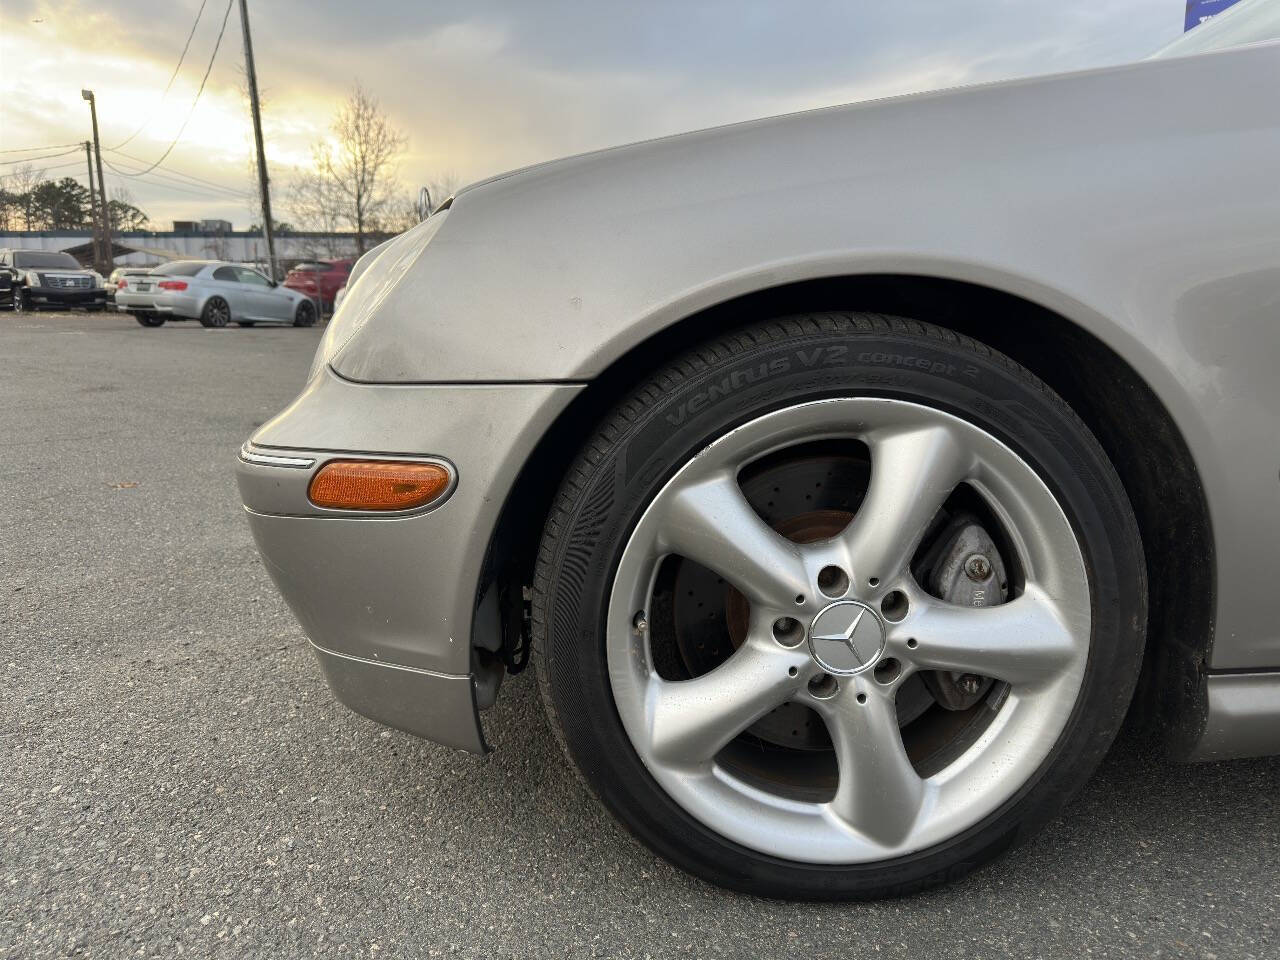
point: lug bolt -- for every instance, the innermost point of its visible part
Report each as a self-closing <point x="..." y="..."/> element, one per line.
<point x="640" y="624"/>
<point x="978" y="568"/>
<point x="969" y="684"/>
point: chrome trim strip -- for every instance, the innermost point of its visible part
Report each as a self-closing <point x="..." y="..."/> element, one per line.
<point x="248" y="455"/>
<point x="385" y="663"/>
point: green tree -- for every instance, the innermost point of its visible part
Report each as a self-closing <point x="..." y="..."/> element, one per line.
<point x="125" y="216"/>
<point x="62" y="204"/>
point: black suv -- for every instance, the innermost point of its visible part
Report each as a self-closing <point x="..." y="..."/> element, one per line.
<point x="48" y="278"/>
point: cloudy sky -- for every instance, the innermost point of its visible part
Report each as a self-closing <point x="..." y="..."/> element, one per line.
<point x="479" y="87"/>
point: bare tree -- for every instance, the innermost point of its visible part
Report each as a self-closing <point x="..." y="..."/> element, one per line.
<point x="361" y="164"/>
<point x="316" y="204"/>
<point x="10" y="207"/>
<point x="22" y="183"/>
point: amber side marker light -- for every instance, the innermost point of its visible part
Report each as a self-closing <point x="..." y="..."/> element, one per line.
<point x="378" y="484"/>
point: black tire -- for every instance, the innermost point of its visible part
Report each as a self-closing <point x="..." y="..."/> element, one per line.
<point x="656" y="430"/>
<point x="246" y="323"/>
<point x="216" y="313"/>
<point x="21" y="301"/>
<point x="149" y="319"/>
<point x="305" y="315"/>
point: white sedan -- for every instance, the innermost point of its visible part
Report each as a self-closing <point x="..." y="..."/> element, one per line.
<point x="215" y="293"/>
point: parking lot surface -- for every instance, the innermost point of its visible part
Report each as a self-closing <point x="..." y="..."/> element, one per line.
<point x="175" y="779"/>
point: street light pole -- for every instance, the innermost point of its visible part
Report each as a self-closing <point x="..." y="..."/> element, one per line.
<point x="93" y="206"/>
<point x="268" y="229"/>
<point x="108" y="253"/>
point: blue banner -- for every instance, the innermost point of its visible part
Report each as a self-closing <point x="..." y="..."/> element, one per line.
<point x="1198" y="11"/>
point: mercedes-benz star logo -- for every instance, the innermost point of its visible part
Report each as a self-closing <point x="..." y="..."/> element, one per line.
<point x="846" y="637"/>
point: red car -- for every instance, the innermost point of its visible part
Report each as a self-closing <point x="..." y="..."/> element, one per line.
<point x="320" y="278"/>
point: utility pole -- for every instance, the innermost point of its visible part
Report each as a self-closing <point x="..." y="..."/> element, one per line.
<point x="108" y="256"/>
<point x="93" y="206"/>
<point x="268" y="229"/>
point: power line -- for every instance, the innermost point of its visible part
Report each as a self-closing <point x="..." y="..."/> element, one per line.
<point x="188" y="188"/>
<point x="60" y="166"/>
<point x="208" y="70"/>
<point x="47" y="156"/>
<point x="206" y="188"/>
<point x="51" y="146"/>
<point x="182" y="187"/>
<point x="167" y="186"/>
<point x="178" y="173"/>
<point x="155" y="178"/>
<point x="173" y="76"/>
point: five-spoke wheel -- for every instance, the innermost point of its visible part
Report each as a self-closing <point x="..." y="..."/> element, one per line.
<point x="838" y="606"/>
<point x="869" y="627"/>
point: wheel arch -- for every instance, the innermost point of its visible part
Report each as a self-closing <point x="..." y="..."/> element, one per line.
<point x="1134" y="426"/>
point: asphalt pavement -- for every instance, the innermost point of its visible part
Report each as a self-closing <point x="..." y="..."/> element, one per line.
<point x="175" y="779"/>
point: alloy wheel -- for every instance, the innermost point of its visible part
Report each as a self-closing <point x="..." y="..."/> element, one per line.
<point x="832" y="622"/>
<point x="218" y="313"/>
<point x="306" y="314"/>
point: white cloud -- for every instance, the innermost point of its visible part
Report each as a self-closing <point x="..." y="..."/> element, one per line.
<point x="484" y="86"/>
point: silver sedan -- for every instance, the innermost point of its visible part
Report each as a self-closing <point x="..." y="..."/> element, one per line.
<point x="845" y="476"/>
<point x="215" y="293"/>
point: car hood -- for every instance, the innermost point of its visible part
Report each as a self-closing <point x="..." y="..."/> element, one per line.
<point x="550" y="272"/>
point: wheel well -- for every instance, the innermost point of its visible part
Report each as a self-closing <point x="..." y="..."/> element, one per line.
<point x="1130" y="422"/>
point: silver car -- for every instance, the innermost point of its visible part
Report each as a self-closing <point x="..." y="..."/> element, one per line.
<point x="122" y="276"/>
<point x="215" y="293"/>
<point x="846" y="477"/>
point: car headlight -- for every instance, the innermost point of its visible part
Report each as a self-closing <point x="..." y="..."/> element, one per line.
<point x="33" y="279"/>
<point x="370" y="282"/>
<point x="98" y="280"/>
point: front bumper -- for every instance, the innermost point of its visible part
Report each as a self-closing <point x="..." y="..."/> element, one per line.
<point x="62" y="297"/>
<point x="390" y="602"/>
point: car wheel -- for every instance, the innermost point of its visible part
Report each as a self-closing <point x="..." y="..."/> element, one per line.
<point x="21" y="302"/>
<point x="216" y="313"/>
<point x="305" y="315"/>
<point x="149" y="319"/>
<point x="838" y="607"/>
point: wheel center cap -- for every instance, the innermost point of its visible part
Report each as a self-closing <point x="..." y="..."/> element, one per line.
<point x="846" y="637"/>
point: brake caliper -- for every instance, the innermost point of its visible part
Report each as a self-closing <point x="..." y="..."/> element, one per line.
<point x="970" y="572"/>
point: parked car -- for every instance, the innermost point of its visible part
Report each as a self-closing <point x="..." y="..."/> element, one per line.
<point x="850" y="486"/>
<point x="50" y="278"/>
<point x="214" y="292"/>
<point x="121" y="276"/>
<point x="320" y="279"/>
